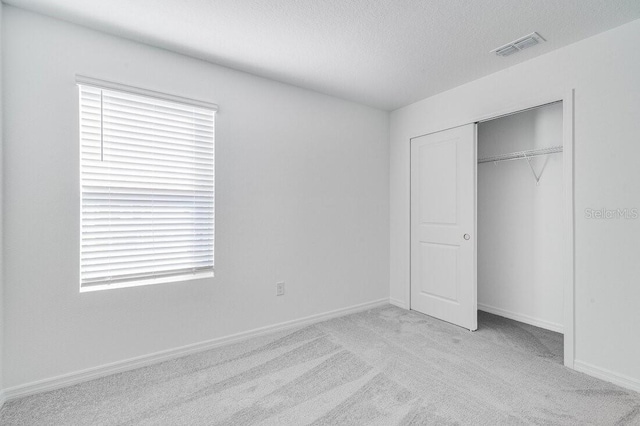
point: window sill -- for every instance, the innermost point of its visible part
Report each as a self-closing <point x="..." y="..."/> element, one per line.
<point x="149" y="281"/>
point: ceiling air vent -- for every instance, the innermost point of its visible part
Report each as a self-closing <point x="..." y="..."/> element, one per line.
<point x="519" y="44"/>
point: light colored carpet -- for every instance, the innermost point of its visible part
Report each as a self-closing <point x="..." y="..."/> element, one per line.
<point x="385" y="366"/>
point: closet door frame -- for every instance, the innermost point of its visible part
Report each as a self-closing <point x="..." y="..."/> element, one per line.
<point x="567" y="100"/>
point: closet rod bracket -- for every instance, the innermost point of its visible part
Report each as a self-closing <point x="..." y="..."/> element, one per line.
<point x="535" y="175"/>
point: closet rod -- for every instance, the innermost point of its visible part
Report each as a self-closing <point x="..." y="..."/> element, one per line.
<point x="521" y="155"/>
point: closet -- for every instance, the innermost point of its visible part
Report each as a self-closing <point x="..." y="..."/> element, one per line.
<point x="520" y="216"/>
<point x="491" y="224"/>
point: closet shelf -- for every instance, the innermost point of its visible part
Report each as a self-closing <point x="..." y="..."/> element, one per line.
<point x="521" y="155"/>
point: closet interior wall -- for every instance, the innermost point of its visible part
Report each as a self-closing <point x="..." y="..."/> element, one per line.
<point x="520" y="222"/>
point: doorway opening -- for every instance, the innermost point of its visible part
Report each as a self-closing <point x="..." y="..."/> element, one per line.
<point x="492" y="224"/>
<point x="520" y="229"/>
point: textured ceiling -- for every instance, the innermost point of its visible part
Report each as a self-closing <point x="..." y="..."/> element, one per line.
<point x="384" y="53"/>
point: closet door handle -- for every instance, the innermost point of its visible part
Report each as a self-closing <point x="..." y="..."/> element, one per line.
<point x="466" y="236"/>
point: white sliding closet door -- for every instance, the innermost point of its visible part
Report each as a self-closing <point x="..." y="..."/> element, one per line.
<point x="443" y="226"/>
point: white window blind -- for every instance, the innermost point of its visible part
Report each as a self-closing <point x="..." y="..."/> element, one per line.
<point x="147" y="184"/>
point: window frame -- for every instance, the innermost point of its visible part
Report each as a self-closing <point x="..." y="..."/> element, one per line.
<point x="152" y="94"/>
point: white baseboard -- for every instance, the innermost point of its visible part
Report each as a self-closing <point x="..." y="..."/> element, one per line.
<point x="145" y="360"/>
<point x="548" y="325"/>
<point x="399" y="303"/>
<point x="607" y="375"/>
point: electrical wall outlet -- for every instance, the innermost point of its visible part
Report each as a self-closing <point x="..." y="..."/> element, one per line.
<point x="280" y="288"/>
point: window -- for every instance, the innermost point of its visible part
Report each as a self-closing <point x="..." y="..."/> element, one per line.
<point x="147" y="187"/>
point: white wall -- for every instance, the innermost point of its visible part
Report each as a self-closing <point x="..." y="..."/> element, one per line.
<point x="301" y="195"/>
<point x="604" y="72"/>
<point x="521" y="224"/>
